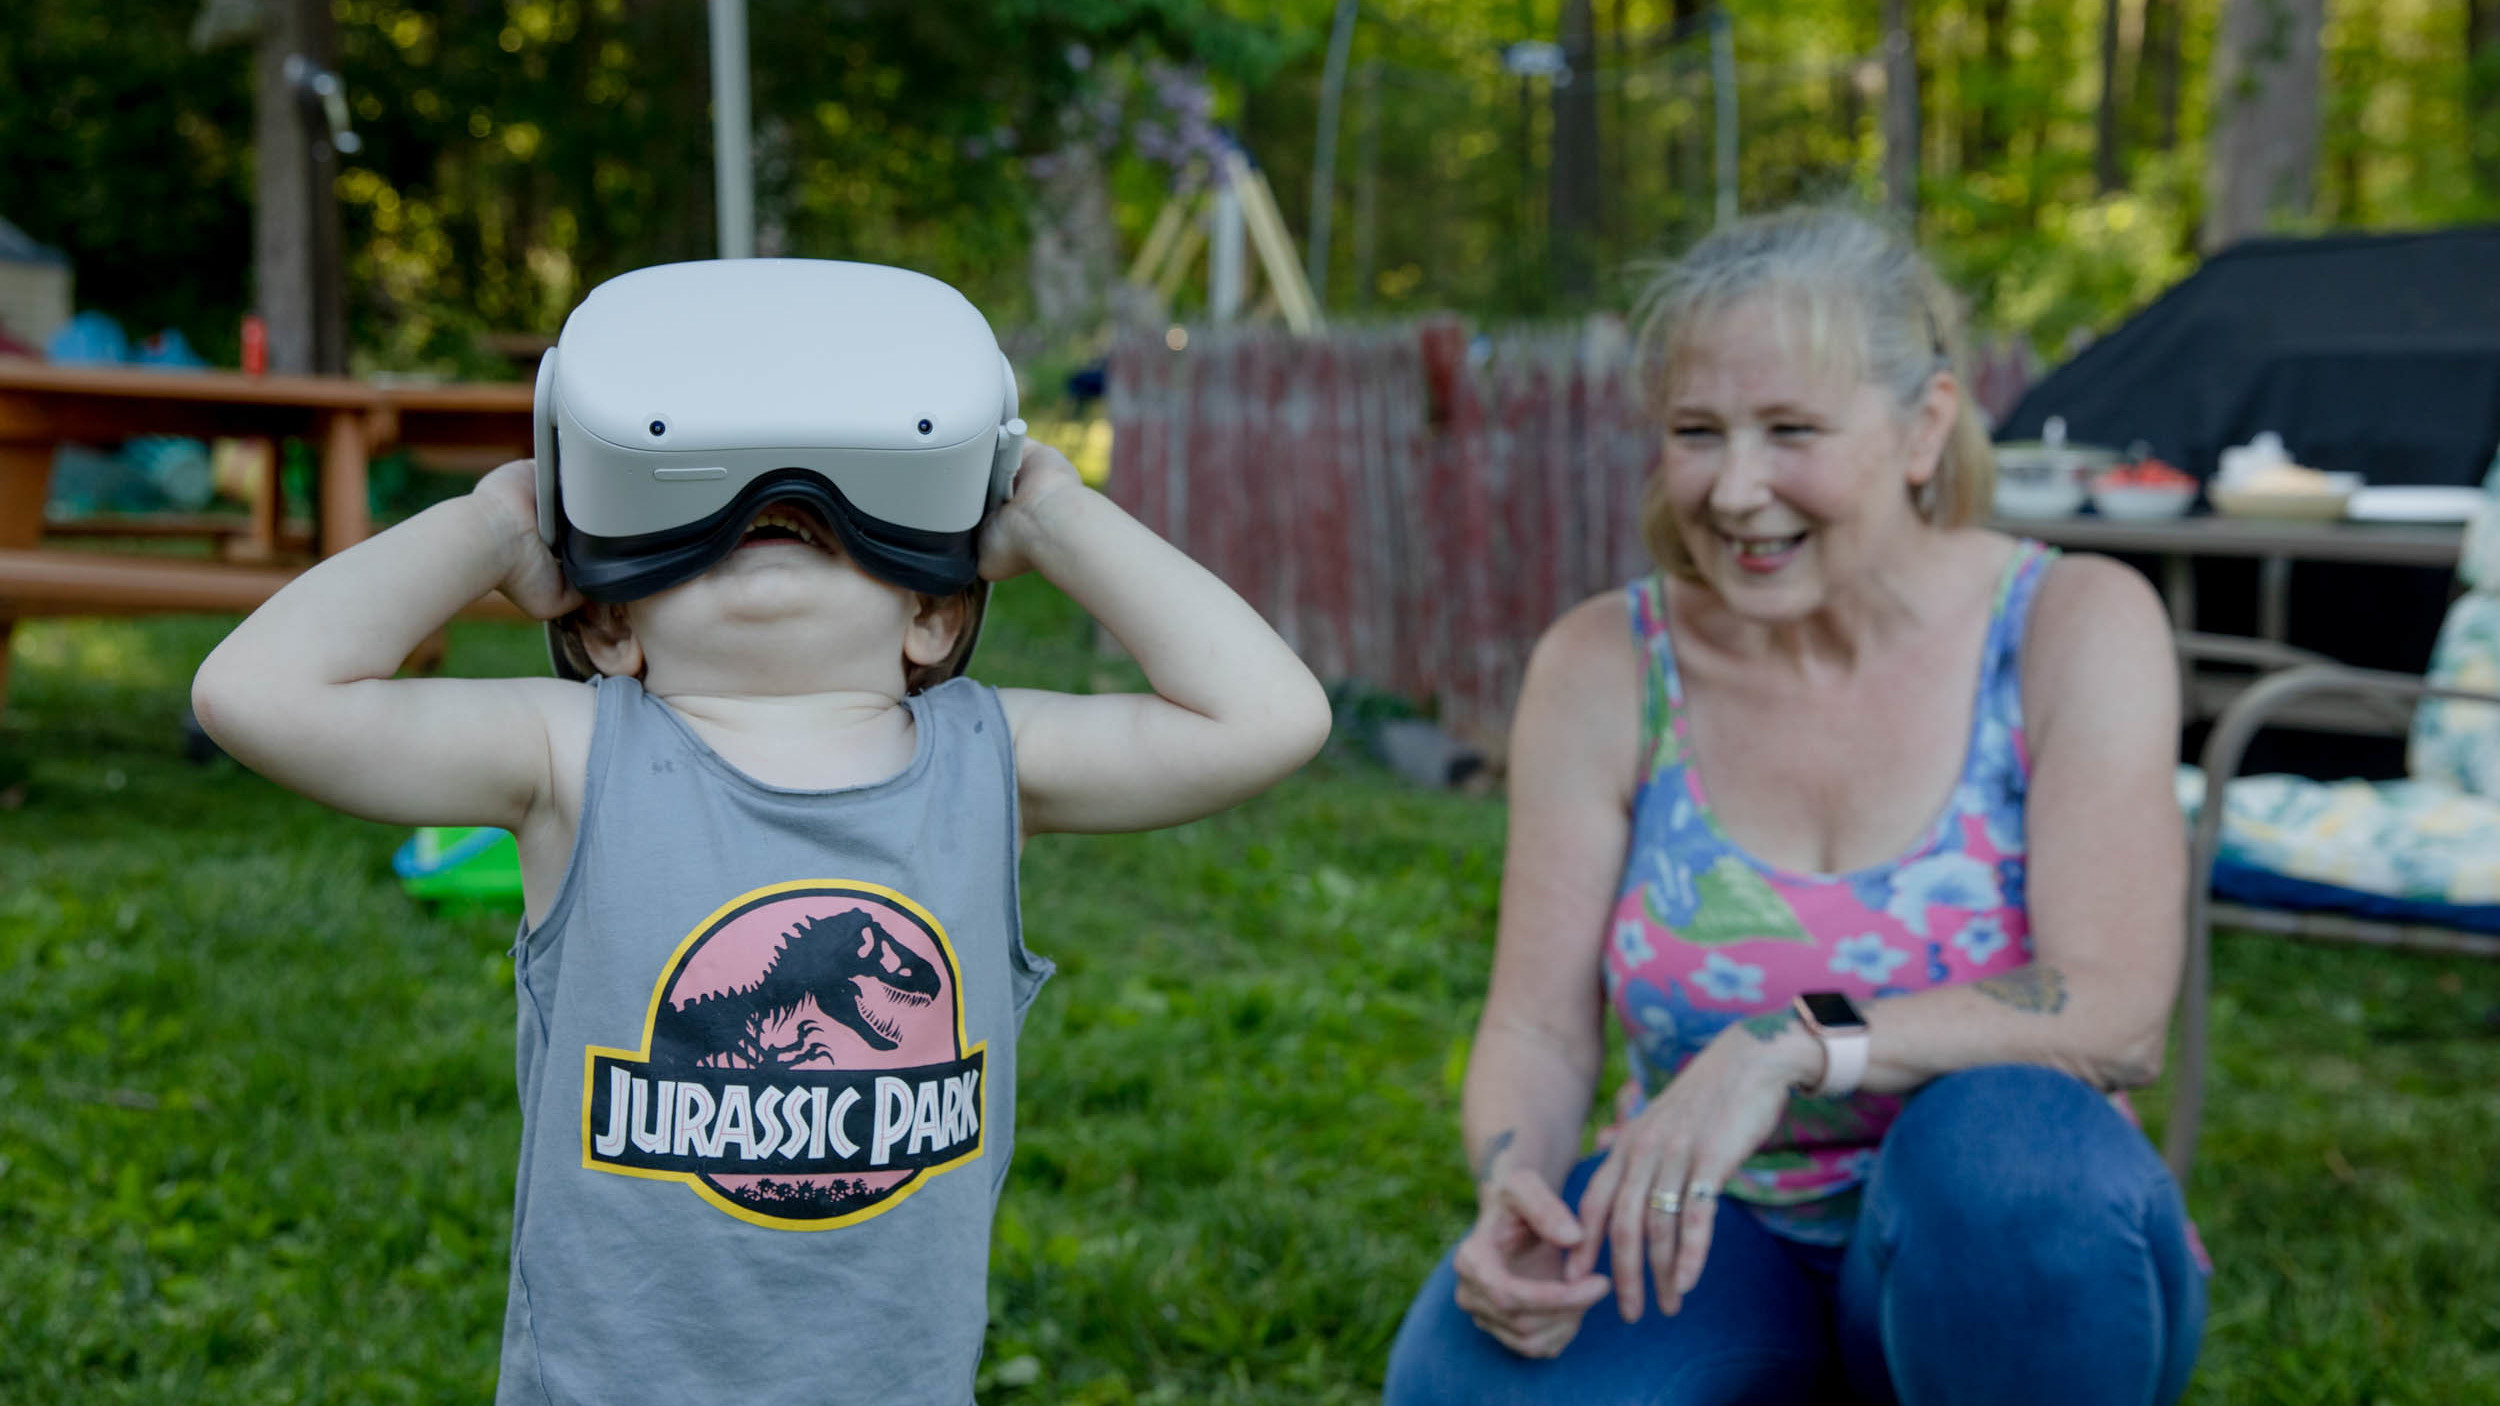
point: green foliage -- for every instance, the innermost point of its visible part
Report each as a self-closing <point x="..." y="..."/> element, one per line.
<point x="504" y="179"/>
<point x="257" y="1137"/>
<point x="2069" y="267"/>
<point x="519" y="151"/>
<point x="125" y="149"/>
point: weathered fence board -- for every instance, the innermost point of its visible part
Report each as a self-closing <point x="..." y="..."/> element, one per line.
<point x="1410" y="506"/>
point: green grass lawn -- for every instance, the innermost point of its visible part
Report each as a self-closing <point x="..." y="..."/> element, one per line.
<point x="257" y="1123"/>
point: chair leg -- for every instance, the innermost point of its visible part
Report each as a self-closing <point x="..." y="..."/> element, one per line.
<point x="2187" y="1098"/>
<point x="2187" y="1089"/>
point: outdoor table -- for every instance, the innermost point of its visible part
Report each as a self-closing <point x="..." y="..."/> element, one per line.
<point x="460" y="428"/>
<point x="43" y="406"/>
<point x="2274" y="543"/>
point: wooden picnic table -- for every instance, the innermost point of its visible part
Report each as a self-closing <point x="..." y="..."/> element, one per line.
<point x="347" y="421"/>
<point x="2274" y="544"/>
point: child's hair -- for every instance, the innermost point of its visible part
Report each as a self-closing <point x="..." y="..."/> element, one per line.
<point x="571" y="655"/>
<point x="1861" y="302"/>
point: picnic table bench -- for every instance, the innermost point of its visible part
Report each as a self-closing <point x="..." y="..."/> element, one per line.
<point x="347" y="421"/>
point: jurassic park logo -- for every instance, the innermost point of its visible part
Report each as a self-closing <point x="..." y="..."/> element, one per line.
<point x="803" y="1063"/>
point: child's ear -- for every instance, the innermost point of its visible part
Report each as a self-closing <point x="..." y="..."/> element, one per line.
<point x="936" y="623"/>
<point x="609" y="640"/>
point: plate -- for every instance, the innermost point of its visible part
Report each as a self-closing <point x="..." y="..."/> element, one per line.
<point x="2415" y="504"/>
<point x="2306" y="507"/>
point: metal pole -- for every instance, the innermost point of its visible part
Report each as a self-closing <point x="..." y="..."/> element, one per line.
<point x="1324" y="158"/>
<point x="1723" y="86"/>
<point x="733" y="167"/>
<point x="1224" y="265"/>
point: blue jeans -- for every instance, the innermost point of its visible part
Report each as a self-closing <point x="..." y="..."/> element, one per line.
<point x="2018" y="1241"/>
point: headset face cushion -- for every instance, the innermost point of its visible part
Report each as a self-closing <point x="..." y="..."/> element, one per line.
<point x="628" y="568"/>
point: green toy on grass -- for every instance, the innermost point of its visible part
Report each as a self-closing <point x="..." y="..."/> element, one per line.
<point x="462" y="863"/>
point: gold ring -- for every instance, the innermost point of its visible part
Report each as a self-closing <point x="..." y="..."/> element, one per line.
<point x="1665" y="1203"/>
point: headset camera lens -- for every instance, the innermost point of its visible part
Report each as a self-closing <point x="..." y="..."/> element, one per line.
<point x="658" y="428"/>
<point x="925" y="427"/>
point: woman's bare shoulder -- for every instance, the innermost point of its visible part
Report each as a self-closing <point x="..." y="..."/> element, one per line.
<point x="1591" y="640"/>
<point x="2086" y="600"/>
<point x="1580" y="704"/>
<point x="2097" y="632"/>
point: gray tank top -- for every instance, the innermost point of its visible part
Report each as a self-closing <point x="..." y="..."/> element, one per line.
<point x="768" y="1073"/>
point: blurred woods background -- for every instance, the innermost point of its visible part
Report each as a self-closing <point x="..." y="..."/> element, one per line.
<point x="2065" y="158"/>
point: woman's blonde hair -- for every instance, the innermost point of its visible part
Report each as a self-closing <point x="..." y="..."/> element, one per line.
<point x="1862" y="302"/>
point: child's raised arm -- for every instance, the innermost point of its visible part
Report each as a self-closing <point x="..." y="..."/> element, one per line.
<point x="1232" y="712"/>
<point x="303" y="692"/>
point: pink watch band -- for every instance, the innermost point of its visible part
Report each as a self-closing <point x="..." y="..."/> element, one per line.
<point x="1844" y="1062"/>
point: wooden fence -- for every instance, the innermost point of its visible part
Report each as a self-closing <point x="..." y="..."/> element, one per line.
<point x="1411" y="506"/>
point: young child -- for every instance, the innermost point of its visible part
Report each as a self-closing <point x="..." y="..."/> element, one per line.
<point x="770" y="972"/>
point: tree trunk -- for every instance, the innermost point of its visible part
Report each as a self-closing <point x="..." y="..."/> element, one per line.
<point x="1984" y="125"/>
<point x="297" y="283"/>
<point x="1575" y="219"/>
<point x="2107" y="161"/>
<point x="1070" y="263"/>
<point x="2157" y="75"/>
<point x="1315" y="247"/>
<point x="1617" y="133"/>
<point x="1688" y="169"/>
<point x="2361" y="55"/>
<point x="1900" y="111"/>
<point x="2482" y="90"/>
<point x="1367" y="190"/>
<point x="2263" y="154"/>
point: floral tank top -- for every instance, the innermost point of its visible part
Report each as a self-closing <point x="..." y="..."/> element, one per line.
<point x="1704" y="934"/>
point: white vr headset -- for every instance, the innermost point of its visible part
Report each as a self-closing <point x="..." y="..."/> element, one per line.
<point x="682" y="400"/>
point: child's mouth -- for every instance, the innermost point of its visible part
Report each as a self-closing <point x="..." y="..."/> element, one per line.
<point x="784" y="523"/>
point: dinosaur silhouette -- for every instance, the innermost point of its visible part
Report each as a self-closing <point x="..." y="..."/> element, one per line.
<point x="853" y="971"/>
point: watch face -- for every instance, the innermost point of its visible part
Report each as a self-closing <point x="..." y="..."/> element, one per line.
<point x="1833" y="1011"/>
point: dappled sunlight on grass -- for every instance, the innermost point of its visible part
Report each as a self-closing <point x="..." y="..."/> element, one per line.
<point x="117" y="654"/>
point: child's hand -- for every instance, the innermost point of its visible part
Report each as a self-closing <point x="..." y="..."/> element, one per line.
<point x="508" y="498"/>
<point x="1008" y="539"/>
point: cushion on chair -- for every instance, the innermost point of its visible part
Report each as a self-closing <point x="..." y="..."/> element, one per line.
<point x="2358" y="846"/>
<point x="2458" y="744"/>
<point x="2235" y="882"/>
<point x="2423" y="850"/>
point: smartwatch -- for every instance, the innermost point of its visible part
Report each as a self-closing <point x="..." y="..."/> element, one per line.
<point x="1833" y="1019"/>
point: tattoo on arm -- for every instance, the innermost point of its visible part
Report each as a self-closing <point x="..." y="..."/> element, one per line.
<point x="2037" y="989"/>
<point x="1767" y="1026"/>
<point x="1493" y="1150"/>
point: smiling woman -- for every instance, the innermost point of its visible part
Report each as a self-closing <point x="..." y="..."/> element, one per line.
<point x="1852" y="800"/>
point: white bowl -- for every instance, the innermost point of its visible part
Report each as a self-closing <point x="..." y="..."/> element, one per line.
<point x="2057" y="497"/>
<point x="2033" y="459"/>
<point x="2139" y="502"/>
